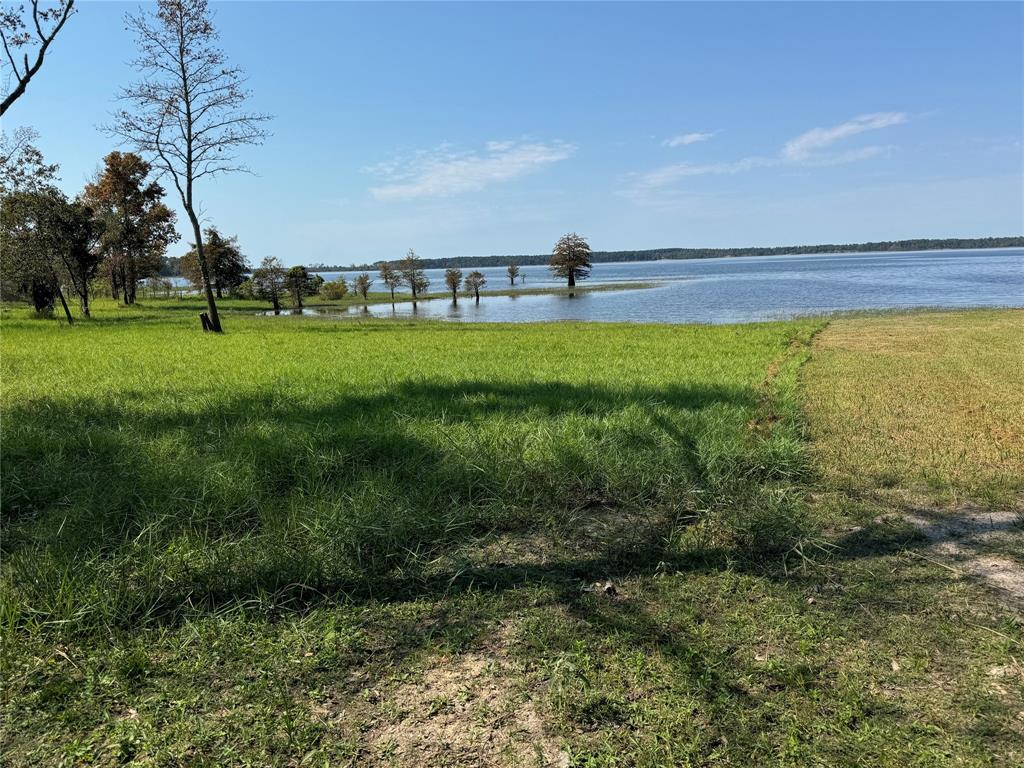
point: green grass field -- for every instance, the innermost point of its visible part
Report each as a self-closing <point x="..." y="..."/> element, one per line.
<point x="376" y="543"/>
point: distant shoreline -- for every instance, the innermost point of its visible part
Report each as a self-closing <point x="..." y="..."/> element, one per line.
<point x="678" y="254"/>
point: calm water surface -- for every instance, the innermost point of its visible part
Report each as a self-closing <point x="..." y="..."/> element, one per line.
<point x="742" y="289"/>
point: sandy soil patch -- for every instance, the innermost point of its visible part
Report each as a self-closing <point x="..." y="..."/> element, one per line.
<point x="961" y="536"/>
<point x="465" y="711"/>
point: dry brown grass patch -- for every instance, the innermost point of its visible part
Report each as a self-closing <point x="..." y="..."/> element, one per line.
<point x="929" y="400"/>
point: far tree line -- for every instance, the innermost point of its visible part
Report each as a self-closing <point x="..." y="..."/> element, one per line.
<point x="660" y="254"/>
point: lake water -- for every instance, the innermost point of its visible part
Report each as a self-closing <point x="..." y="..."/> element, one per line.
<point x="744" y="289"/>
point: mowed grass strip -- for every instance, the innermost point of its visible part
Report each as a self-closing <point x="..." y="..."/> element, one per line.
<point x="931" y="403"/>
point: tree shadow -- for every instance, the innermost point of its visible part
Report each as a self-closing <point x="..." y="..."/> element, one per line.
<point x="256" y="495"/>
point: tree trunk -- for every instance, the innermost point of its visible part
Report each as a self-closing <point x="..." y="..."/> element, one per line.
<point x="211" y="303"/>
<point x="132" y="280"/>
<point x="84" y="296"/>
<point x="572" y="278"/>
<point x="455" y="296"/>
<point x="392" y="294"/>
<point x="64" y="304"/>
<point x="477" y="292"/>
<point x="219" y="295"/>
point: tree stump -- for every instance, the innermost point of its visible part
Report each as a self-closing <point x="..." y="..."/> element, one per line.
<point x="205" y="320"/>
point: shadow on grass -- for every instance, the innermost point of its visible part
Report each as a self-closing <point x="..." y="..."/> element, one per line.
<point x="248" y="496"/>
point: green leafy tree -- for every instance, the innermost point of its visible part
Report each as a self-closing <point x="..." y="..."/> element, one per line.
<point x="570" y="258"/>
<point x="334" y="290"/>
<point x="227" y="265"/>
<point x="362" y="285"/>
<point x="474" y="282"/>
<point x="22" y="167"/>
<point x="137" y="225"/>
<point x="300" y="283"/>
<point x="411" y="270"/>
<point x="390" y="277"/>
<point x="76" y="233"/>
<point x="453" y="279"/>
<point x="49" y="242"/>
<point x="268" y="281"/>
<point x="513" y="273"/>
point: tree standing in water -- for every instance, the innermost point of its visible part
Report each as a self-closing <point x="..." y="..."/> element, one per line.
<point x="362" y="285"/>
<point x="453" y="279"/>
<point x="513" y="273"/>
<point x="474" y="282"/>
<point x="300" y="282"/>
<point x="570" y="258"/>
<point x="411" y="270"/>
<point x="186" y="113"/>
<point x="268" y="281"/>
<point x="390" y="277"/>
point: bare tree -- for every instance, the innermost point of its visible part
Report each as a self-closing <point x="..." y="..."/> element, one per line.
<point x="40" y="31"/>
<point x="187" y="113"/>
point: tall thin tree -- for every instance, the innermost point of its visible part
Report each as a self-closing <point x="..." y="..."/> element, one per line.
<point x="187" y="113"/>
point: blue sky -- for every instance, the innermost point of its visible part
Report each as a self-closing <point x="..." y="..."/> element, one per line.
<point x="474" y="129"/>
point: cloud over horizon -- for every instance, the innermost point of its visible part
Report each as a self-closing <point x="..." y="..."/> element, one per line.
<point x="446" y="171"/>
<point x="685" y="139"/>
<point x="804" y="145"/>
<point x="809" y="149"/>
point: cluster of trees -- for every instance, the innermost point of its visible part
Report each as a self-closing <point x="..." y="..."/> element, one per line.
<point x="116" y="229"/>
<point x="272" y="281"/>
<point x="472" y="283"/>
<point x="407" y="272"/>
<point x="185" y="119"/>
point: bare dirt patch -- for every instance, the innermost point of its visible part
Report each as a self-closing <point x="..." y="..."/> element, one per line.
<point x="466" y="710"/>
<point x="962" y="537"/>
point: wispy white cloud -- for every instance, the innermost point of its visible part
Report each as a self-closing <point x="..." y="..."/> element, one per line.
<point x="685" y="139"/>
<point x="816" y="139"/>
<point x="446" y="171"/>
<point x="809" y="149"/>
